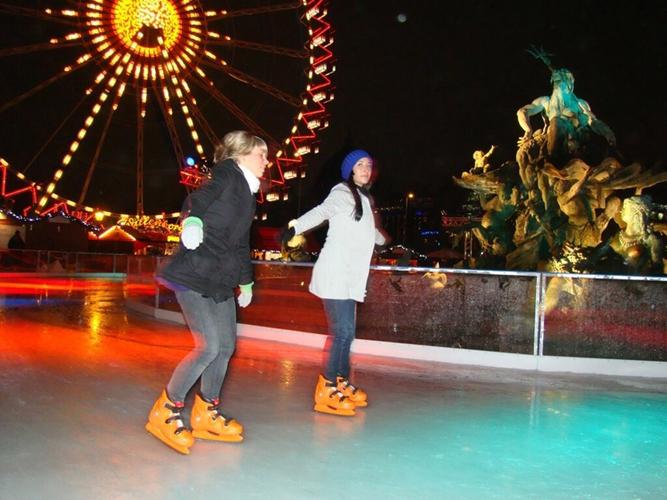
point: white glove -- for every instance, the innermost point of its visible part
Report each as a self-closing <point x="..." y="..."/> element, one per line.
<point x="245" y="297"/>
<point x="192" y="233"/>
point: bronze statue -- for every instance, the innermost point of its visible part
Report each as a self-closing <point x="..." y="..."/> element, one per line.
<point x="554" y="208"/>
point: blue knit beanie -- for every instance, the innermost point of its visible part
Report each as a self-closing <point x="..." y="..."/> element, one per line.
<point x="350" y="160"/>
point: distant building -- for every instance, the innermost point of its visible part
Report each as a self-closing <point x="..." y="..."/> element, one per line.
<point x="415" y="224"/>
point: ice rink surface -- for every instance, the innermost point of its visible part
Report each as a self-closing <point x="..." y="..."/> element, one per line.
<point x="79" y="373"/>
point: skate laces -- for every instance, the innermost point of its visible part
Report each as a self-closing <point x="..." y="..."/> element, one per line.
<point x="339" y="394"/>
<point x="175" y="417"/>
<point x="214" y="406"/>
<point x="335" y="393"/>
<point x="345" y="383"/>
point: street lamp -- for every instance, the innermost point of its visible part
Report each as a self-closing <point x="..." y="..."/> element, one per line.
<point x="408" y="197"/>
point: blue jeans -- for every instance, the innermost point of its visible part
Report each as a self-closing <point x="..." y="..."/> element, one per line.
<point x="341" y="317"/>
<point x="213" y="328"/>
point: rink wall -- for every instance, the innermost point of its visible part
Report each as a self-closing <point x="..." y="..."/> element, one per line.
<point x="591" y="324"/>
<point x="599" y="324"/>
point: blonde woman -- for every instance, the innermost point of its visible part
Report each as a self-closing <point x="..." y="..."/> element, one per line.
<point x="212" y="261"/>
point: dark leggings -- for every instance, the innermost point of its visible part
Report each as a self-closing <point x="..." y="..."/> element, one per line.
<point x="341" y="317"/>
<point x="213" y="328"/>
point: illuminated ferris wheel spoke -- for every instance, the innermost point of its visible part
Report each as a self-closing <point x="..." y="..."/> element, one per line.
<point x="140" y="156"/>
<point x="41" y="86"/>
<point x="200" y="118"/>
<point x="252" y="125"/>
<point x="74" y="145"/>
<point x="38" y="47"/>
<point x="47" y="14"/>
<point x="171" y="128"/>
<point x="260" y="47"/>
<point x="224" y="14"/>
<point x="193" y="132"/>
<point x="54" y="134"/>
<point x="98" y="148"/>
<point x="181" y="90"/>
<point x="204" y="124"/>
<point x="255" y="83"/>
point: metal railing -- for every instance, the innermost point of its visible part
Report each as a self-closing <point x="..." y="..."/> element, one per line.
<point x="540" y="314"/>
<point x="53" y="261"/>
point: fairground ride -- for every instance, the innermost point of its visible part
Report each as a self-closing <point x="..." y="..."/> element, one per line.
<point x="110" y="109"/>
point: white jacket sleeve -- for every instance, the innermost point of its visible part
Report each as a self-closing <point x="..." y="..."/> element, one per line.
<point x="338" y="199"/>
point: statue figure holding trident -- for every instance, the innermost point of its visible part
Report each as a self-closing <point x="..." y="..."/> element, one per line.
<point x="569" y="120"/>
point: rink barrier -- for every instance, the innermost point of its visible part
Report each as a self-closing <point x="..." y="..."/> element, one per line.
<point x="550" y="364"/>
<point x="489" y="312"/>
<point x="598" y="324"/>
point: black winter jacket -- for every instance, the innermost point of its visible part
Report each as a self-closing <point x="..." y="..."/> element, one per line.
<point x="222" y="262"/>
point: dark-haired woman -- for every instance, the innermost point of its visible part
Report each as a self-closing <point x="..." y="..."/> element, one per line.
<point x="340" y="275"/>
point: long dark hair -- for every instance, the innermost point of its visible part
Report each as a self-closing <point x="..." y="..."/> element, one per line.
<point x="356" y="190"/>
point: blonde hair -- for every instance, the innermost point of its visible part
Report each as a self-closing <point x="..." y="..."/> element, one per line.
<point x="237" y="143"/>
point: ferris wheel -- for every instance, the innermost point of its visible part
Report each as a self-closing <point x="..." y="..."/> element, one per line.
<point x="114" y="106"/>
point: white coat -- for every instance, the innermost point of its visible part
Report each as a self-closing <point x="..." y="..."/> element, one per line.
<point x="341" y="271"/>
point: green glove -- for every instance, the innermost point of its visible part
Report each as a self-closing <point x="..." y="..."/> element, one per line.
<point x="245" y="296"/>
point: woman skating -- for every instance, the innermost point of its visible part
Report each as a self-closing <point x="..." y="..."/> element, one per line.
<point x="340" y="275"/>
<point x="213" y="260"/>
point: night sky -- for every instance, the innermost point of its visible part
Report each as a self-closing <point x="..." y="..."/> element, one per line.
<point x="423" y="94"/>
<point x="420" y="84"/>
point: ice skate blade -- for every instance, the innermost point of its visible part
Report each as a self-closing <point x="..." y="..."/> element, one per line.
<point x="156" y="432"/>
<point x="209" y="436"/>
<point x="322" y="408"/>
